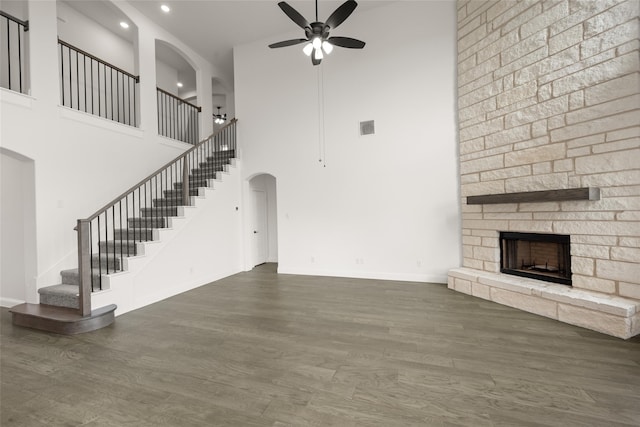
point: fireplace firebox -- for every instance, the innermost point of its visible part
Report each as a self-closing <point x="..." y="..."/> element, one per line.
<point x="538" y="256"/>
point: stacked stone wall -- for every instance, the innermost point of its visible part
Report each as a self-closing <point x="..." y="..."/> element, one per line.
<point x="549" y="98"/>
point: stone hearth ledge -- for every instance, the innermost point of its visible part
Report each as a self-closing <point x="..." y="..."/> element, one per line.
<point x="609" y="314"/>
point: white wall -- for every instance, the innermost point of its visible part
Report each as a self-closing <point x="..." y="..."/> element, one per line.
<point x="166" y="77"/>
<point x="382" y="206"/>
<point x="200" y="247"/>
<point x="80" y="161"/>
<point x="83" y="32"/>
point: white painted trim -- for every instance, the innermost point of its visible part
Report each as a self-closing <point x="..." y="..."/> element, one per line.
<point x="10" y="302"/>
<point x="98" y="121"/>
<point x="401" y="277"/>
<point x="16" y="98"/>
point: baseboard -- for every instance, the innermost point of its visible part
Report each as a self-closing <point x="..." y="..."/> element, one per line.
<point x="10" y="302"/>
<point x="400" y="277"/>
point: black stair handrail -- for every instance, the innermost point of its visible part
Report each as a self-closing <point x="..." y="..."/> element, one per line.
<point x="143" y="197"/>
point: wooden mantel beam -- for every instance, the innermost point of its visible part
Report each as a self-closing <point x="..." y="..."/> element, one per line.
<point x="585" y="193"/>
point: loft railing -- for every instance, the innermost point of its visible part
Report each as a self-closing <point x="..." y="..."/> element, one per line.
<point x="92" y="85"/>
<point x="12" y="53"/>
<point x="110" y="235"/>
<point x="177" y="118"/>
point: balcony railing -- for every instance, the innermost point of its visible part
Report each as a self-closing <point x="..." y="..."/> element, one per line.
<point x="13" y="74"/>
<point x="177" y="118"/>
<point x="92" y="85"/>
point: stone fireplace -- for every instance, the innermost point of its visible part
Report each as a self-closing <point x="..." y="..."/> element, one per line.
<point x="548" y="107"/>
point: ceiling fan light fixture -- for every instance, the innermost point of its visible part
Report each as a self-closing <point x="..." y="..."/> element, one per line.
<point x="317" y="41"/>
<point x="308" y="48"/>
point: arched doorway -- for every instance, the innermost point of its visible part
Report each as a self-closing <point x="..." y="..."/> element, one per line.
<point x="263" y="222"/>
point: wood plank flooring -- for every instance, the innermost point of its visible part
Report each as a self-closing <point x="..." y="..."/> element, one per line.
<point x="261" y="349"/>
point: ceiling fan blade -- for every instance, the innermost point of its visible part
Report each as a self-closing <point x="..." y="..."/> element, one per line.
<point x="287" y="43"/>
<point x="294" y="15"/>
<point x="347" y="42"/>
<point x="341" y="13"/>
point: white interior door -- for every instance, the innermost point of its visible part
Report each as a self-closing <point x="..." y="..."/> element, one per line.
<point x="260" y="227"/>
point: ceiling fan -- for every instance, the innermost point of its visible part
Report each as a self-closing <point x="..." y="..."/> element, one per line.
<point x="317" y="33"/>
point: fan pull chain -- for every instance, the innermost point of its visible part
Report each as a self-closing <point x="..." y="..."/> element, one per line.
<point x="322" y="147"/>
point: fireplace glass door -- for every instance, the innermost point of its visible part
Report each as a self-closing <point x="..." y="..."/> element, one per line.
<point x="539" y="256"/>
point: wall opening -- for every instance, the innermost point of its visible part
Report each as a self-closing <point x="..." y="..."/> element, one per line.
<point x="18" y="223"/>
<point x="538" y="256"/>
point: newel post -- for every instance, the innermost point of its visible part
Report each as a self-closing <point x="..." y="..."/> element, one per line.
<point x="185" y="181"/>
<point x="84" y="265"/>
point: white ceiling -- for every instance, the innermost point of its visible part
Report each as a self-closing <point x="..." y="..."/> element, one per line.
<point x="213" y="27"/>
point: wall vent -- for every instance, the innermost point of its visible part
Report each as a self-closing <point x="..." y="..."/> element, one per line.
<point x="367" y="128"/>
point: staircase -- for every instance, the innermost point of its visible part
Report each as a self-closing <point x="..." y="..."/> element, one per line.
<point x="61" y="306"/>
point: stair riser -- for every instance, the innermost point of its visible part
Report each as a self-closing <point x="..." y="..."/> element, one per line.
<point x="118" y="247"/>
<point x="112" y="263"/>
<point x="192" y="184"/>
<point x="203" y="176"/>
<point x="227" y="155"/>
<point x="210" y="164"/>
<point x="169" y="202"/>
<point x="207" y="168"/>
<point x="72" y="278"/>
<point x="159" y="212"/>
<point x="177" y="194"/>
<point x="60" y="301"/>
<point x="139" y="234"/>
<point x="147" y="222"/>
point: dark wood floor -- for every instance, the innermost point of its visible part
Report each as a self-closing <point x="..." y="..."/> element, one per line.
<point x="261" y="349"/>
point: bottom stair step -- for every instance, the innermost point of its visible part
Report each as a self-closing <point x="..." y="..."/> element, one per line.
<point x="60" y="295"/>
<point x="61" y="320"/>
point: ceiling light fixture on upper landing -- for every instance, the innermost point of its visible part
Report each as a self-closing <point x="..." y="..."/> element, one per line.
<point x="124" y="25"/>
<point x="165" y="8"/>
<point x="318" y="42"/>
<point x="219" y="118"/>
<point x="179" y="84"/>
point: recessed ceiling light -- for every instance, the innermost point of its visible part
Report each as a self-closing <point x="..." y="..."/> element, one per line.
<point x="180" y="84"/>
<point x="165" y="8"/>
<point x="124" y="24"/>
